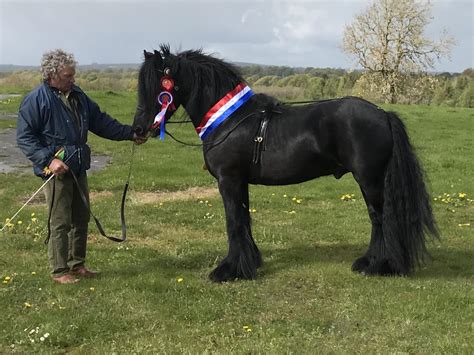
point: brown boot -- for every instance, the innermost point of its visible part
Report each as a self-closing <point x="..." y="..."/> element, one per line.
<point x="82" y="271"/>
<point x="65" y="279"/>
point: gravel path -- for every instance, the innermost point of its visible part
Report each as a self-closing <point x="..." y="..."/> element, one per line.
<point x="12" y="160"/>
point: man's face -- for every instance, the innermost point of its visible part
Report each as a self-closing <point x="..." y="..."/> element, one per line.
<point x="64" y="79"/>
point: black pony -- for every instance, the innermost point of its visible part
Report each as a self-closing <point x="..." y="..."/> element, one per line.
<point x="254" y="139"/>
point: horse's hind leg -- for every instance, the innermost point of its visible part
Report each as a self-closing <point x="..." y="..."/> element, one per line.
<point x="375" y="260"/>
<point x="243" y="257"/>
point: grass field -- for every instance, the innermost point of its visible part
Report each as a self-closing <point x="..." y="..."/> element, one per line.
<point x="154" y="296"/>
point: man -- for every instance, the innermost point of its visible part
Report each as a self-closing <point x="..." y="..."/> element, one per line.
<point x="52" y="128"/>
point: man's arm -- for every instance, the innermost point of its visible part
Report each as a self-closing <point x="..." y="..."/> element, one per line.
<point x="107" y="127"/>
<point x="28" y="134"/>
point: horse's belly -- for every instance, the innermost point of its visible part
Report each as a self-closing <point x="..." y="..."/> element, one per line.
<point x="273" y="169"/>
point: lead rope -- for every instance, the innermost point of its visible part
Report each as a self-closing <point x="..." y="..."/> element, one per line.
<point x="122" y="207"/>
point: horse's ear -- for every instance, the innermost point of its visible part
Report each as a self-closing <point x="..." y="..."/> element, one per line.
<point x="147" y="54"/>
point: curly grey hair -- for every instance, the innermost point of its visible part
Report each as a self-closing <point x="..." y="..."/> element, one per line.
<point x="53" y="61"/>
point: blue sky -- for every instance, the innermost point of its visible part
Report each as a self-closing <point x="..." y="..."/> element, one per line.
<point x="276" y="32"/>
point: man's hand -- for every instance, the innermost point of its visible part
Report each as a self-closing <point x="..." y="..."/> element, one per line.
<point x="138" y="139"/>
<point x="57" y="167"/>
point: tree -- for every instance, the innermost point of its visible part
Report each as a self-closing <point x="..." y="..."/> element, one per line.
<point x="388" y="42"/>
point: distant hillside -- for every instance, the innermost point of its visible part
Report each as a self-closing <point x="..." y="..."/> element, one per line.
<point x="285" y="83"/>
<point x="7" y="68"/>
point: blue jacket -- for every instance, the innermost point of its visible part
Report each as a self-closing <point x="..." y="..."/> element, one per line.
<point x="45" y="124"/>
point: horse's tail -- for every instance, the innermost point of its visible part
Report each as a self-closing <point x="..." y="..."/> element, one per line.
<point x="407" y="216"/>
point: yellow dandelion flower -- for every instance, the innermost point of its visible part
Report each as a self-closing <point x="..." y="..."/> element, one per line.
<point x="33" y="214"/>
<point x="92" y="289"/>
<point x="20" y="222"/>
<point x="27" y="305"/>
<point x="462" y="195"/>
<point x="298" y="201"/>
<point x="34" y="219"/>
<point x="285" y="196"/>
<point x="33" y="273"/>
<point x="347" y="197"/>
<point x="179" y="279"/>
<point x="293" y="199"/>
<point x="4" y="282"/>
<point x="7" y="278"/>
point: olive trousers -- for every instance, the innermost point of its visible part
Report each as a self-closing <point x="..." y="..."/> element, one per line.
<point x="68" y="222"/>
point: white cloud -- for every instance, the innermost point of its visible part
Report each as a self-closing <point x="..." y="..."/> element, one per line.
<point x="284" y="32"/>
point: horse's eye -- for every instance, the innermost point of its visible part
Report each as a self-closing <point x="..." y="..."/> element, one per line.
<point x="167" y="71"/>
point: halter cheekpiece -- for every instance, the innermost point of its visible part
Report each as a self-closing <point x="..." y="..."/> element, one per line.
<point x="165" y="99"/>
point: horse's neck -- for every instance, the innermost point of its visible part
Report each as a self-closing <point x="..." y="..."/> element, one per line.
<point x="197" y="109"/>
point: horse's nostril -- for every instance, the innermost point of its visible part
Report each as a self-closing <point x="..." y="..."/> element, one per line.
<point x="138" y="130"/>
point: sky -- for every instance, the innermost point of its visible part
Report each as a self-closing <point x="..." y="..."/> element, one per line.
<point x="293" y="33"/>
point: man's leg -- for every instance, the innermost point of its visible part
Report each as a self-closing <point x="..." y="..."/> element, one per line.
<point x="80" y="221"/>
<point x="60" y="223"/>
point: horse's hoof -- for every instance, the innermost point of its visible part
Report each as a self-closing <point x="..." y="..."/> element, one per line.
<point x="228" y="271"/>
<point x="360" y="265"/>
<point x="259" y="261"/>
<point x="384" y="267"/>
<point x="223" y="273"/>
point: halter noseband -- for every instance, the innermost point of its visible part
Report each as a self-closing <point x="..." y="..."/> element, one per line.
<point x="165" y="99"/>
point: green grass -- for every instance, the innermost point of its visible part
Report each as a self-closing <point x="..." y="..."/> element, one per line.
<point x="305" y="299"/>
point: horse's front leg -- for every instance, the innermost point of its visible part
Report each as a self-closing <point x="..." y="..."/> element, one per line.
<point x="243" y="257"/>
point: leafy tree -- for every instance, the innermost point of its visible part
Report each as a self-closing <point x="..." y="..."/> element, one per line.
<point x="388" y="42"/>
<point x="466" y="99"/>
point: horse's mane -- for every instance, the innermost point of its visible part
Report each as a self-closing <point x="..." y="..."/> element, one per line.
<point x="209" y="76"/>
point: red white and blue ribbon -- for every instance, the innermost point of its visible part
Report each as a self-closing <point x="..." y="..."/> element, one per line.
<point x="223" y="109"/>
<point x="165" y="99"/>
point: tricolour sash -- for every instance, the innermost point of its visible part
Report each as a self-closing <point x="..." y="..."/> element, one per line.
<point x="223" y="109"/>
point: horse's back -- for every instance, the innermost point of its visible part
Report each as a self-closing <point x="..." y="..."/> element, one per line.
<point x="330" y="137"/>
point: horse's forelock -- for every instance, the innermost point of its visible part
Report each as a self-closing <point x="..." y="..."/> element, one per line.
<point x="165" y="50"/>
<point x="148" y="83"/>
